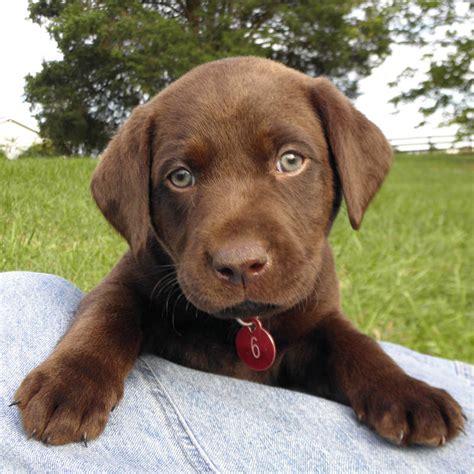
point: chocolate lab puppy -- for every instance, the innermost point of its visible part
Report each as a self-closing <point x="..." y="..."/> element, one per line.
<point x="226" y="186"/>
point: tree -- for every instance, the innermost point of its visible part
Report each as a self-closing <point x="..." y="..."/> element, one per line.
<point x="119" y="53"/>
<point x="448" y="83"/>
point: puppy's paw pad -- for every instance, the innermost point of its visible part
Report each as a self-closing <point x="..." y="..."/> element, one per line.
<point x="60" y="404"/>
<point x="412" y="412"/>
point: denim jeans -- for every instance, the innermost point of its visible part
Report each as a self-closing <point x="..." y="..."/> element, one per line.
<point x="174" y="419"/>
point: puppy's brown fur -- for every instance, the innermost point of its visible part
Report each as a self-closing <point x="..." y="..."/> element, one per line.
<point x="228" y="122"/>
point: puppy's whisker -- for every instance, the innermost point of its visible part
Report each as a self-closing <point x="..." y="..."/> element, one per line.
<point x="160" y="281"/>
<point x="172" y="291"/>
<point x="167" y="284"/>
<point x="166" y="288"/>
<point x="180" y="294"/>
<point x="166" y="303"/>
<point x="197" y="299"/>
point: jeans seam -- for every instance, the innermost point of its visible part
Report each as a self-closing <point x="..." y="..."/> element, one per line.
<point x="192" y="449"/>
<point x="464" y="370"/>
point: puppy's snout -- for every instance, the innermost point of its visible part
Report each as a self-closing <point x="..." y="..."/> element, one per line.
<point x="240" y="264"/>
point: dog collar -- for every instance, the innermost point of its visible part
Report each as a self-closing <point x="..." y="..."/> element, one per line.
<point x="255" y="345"/>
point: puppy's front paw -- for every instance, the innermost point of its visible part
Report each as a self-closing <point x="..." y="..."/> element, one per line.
<point x="407" y="411"/>
<point x="67" y="399"/>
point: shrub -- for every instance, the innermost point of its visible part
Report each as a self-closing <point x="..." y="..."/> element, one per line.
<point x="42" y="150"/>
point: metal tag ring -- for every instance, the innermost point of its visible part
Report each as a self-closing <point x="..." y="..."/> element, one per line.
<point x="250" y="325"/>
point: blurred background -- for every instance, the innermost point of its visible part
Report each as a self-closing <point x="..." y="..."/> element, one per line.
<point x="74" y="69"/>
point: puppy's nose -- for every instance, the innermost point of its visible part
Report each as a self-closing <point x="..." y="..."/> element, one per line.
<point x="240" y="264"/>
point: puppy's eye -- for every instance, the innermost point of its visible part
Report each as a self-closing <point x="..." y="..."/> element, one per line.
<point x="182" y="178"/>
<point x="289" y="162"/>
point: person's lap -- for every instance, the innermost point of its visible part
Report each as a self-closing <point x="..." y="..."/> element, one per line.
<point x="177" y="419"/>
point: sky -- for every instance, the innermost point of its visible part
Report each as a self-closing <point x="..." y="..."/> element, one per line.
<point x="25" y="45"/>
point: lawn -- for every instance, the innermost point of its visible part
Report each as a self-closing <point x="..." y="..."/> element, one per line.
<point x="406" y="276"/>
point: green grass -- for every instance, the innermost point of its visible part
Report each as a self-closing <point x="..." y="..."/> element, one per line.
<point x="49" y="223"/>
<point x="406" y="276"/>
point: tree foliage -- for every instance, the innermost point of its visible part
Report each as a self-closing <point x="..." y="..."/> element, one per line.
<point x="119" y="53"/>
<point x="448" y="82"/>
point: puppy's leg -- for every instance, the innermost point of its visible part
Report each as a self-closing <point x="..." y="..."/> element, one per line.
<point x="339" y="362"/>
<point x="69" y="396"/>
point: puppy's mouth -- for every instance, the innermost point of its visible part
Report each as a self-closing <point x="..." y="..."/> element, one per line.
<point x="247" y="309"/>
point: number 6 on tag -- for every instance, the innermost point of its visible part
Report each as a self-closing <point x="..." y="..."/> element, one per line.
<point x="255" y="346"/>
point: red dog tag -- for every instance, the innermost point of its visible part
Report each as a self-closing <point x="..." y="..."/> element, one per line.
<point x="255" y="345"/>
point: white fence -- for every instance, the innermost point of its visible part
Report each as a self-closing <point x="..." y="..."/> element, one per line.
<point x="433" y="143"/>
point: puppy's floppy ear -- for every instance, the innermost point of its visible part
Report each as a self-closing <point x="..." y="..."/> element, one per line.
<point x="120" y="184"/>
<point x="361" y="153"/>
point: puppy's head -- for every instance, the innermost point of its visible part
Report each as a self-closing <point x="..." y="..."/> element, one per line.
<point x="236" y="170"/>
